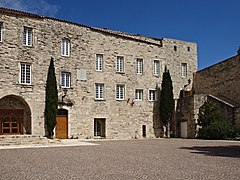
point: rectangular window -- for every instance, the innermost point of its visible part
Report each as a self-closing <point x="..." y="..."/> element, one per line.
<point x="184" y="70"/>
<point x="65" y="47"/>
<point x="152" y="95"/>
<point x="120" y="64"/>
<point x="120" y="92"/>
<point x="139" y="66"/>
<point x="27" y="36"/>
<point x="25" y="73"/>
<point x="139" y="94"/>
<point x="99" y="91"/>
<point x="1" y="31"/>
<point x="99" y="62"/>
<point x="65" y="80"/>
<point x="156" y="68"/>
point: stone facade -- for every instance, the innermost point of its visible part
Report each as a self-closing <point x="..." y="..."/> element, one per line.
<point x="126" y="118"/>
<point x="218" y="83"/>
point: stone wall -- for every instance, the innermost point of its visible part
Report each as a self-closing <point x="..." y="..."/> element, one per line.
<point x="221" y="80"/>
<point x="124" y="119"/>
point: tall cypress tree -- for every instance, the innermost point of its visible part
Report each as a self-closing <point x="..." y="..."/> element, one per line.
<point x="51" y="100"/>
<point x="166" y="101"/>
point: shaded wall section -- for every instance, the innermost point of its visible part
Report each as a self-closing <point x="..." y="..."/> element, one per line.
<point x="221" y="80"/>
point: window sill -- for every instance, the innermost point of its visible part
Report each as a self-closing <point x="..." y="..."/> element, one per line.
<point x="65" y="56"/>
<point x="120" y="72"/>
<point x="25" y="85"/>
<point x="27" y="46"/>
<point x="100" y="99"/>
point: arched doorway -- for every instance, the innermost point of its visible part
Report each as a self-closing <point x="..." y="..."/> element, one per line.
<point x="61" y="129"/>
<point x="15" y="116"/>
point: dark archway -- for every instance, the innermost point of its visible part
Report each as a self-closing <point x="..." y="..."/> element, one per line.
<point x="11" y="106"/>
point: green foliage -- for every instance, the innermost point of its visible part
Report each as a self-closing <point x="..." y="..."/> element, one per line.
<point x="51" y="100"/>
<point x="238" y="52"/>
<point x="213" y="126"/>
<point x="166" y="98"/>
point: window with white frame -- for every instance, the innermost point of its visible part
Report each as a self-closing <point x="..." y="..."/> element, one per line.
<point x="152" y="95"/>
<point x="156" y="67"/>
<point x="120" y="64"/>
<point x="99" y="93"/>
<point x="184" y="70"/>
<point x="27" y="36"/>
<point x="139" y="94"/>
<point x="1" y="31"/>
<point x="25" y="73"/>
<point x="65" y="80"/>
<point x="65" y="47"/>
<point x="120" y="92"/>
<point x="99" y="62"/>
<point x="139" y="66"/>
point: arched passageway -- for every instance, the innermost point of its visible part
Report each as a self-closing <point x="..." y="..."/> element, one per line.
<point x="15" y="116"/>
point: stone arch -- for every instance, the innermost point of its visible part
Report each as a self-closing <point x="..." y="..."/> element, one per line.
<point x="17" y="103"/>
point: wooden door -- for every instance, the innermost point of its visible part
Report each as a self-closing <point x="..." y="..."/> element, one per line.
<point x="62" y="127"/>
<point x="11" y="121"/>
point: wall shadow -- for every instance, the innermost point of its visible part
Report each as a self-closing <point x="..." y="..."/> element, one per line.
<point x="157" y="124"/>
<point x="223" y="151"/>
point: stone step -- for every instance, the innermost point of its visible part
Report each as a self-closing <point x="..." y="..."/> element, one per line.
<point x="8" y="140"/>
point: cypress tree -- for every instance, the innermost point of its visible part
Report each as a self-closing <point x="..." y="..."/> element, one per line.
<point x="166" y="101"/>
<point x="51" y="100"/>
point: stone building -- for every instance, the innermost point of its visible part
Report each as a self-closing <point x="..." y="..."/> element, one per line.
<point x="107" y="80"/>
<point x="219" y="83"/>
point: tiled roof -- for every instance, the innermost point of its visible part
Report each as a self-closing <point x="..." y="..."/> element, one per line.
<point x="134" y="37"/>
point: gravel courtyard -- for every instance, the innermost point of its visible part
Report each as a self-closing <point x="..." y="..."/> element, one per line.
<point x="126" y="159"/>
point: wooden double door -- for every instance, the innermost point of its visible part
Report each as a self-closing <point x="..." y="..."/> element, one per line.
<point x="11" y="121"/>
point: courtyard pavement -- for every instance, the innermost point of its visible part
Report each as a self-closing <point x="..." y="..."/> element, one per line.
<point x="124" y="159"/>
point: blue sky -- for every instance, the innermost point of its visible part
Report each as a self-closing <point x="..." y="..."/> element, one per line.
<point x="213" y="24"/>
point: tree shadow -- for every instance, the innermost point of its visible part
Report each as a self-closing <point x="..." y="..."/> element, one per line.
<point x="224" y="151"/>
<point x="157" y="124"/>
